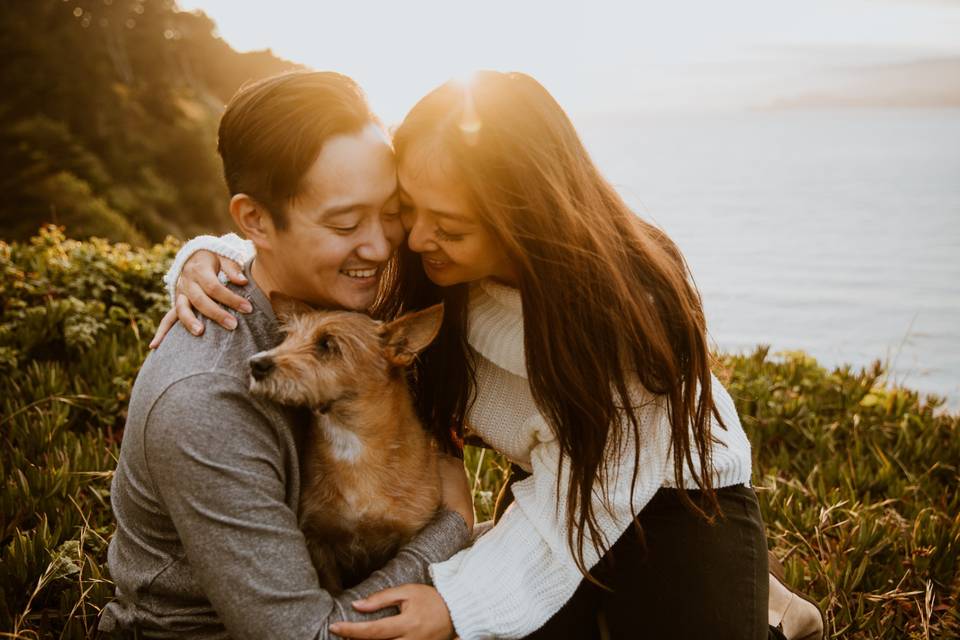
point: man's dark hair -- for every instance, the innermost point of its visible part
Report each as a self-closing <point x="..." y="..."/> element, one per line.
<point x="273" y="130"/>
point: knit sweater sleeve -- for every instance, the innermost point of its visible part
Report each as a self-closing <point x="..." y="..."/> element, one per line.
<point x="229" y="246"/>
<point x="514" y="578"/>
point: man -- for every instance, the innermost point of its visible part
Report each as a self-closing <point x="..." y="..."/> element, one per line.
<point x="207" y="486"/>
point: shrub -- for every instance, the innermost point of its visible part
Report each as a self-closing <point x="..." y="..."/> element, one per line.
<point x="857" y="482"/>
<point x="858" y="485"/>
<point x="76" y="317"/>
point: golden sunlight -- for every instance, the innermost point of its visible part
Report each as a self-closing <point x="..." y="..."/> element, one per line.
<point x="601" y="57"/>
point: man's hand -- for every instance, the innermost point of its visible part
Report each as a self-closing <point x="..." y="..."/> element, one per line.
<point x="423" y="616"/>
<point x="456" y="488"/>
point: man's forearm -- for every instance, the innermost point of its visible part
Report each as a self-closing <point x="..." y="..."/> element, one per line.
<point x="446" y="534"/>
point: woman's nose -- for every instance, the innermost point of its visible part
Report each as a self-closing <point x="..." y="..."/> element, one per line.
<point x="420" y="239"/>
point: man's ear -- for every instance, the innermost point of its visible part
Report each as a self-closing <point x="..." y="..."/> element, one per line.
<point x="253" y="220"/>
<point x="286" y="307"/>
<point x="405" y="337"/>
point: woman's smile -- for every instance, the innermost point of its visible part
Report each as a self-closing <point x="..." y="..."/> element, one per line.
<point x="435" y="263"/>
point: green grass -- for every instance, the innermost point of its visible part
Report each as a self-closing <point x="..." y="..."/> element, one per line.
<point x="857" y="482"/>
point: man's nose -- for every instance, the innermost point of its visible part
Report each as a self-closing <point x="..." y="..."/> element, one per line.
<point x="376" y="246"/>
<point x="261" y="366"/>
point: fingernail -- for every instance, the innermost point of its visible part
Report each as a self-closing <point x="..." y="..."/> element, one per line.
<point x="231" y="322"/>
<point x="242" y="277"/>
<point x="246" y="307"/>
<point x="197" y="328"/>
<point x="152" y="344"/>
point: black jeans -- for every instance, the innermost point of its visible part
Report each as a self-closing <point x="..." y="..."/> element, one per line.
<point x="687" y="579"/>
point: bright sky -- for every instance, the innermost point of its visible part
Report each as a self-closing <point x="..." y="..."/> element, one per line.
<point x="596" y="56"/>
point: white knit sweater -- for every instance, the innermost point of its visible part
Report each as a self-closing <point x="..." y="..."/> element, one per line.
<point x="229" y="246"/>
<point x="521" y="572"/>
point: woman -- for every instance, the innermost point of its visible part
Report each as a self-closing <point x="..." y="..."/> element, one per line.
<point x="575" y="343"/>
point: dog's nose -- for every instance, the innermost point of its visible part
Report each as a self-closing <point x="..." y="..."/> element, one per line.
<point x="260" y="367"/>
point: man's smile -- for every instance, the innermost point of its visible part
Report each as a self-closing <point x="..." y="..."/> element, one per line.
<point x="360" y="274"/>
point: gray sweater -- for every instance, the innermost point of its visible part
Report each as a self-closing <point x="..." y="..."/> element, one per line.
<point x="205" y="497"/>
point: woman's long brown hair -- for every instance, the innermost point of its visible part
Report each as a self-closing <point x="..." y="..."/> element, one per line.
<point x="607" y="298"/>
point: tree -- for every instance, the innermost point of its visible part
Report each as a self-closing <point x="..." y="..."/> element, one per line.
<point x="115" y="103"/>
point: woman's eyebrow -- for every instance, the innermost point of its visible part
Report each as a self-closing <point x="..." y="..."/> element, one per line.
<point x="450" y="215"/>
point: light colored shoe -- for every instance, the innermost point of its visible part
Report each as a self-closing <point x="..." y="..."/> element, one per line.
<point x="800" y="618"/>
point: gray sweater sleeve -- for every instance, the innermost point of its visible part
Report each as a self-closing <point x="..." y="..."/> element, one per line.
<point x="218" y="465"/>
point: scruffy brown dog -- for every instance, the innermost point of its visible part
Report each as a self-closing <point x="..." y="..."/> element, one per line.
<point x="371" y="479"/>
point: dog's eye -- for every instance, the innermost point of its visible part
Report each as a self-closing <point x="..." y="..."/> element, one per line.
<point x="325" y="345"/>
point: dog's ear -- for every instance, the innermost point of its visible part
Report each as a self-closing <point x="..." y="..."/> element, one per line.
<point x="286" y="307"/>
<point x="405" y="337"/>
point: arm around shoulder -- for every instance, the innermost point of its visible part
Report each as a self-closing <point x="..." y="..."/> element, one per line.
<point x="229" y="246"/>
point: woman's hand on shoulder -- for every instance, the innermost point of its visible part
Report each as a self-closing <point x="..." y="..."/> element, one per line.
<point x="199" y="288"/>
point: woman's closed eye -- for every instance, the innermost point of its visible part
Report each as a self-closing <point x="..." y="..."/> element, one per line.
<point x="448" y="236"/>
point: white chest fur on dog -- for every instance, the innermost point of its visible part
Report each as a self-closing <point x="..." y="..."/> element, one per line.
<point x="345" y="445"/>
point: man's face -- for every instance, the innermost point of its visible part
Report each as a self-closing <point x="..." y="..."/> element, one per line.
<point x="343" y="228"/>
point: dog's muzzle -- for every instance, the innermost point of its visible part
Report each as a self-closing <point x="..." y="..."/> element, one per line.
<point x="261" y="366"/>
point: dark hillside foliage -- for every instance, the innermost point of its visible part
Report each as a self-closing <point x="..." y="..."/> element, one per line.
<point x="108" y="118"/>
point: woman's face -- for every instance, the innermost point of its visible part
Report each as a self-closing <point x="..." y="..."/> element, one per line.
<point x="442" y="227"/>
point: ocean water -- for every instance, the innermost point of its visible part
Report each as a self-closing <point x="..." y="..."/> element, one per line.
<point x="832" y="231"/>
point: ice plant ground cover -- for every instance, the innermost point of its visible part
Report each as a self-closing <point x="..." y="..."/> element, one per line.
<point x="858" y="481"/>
